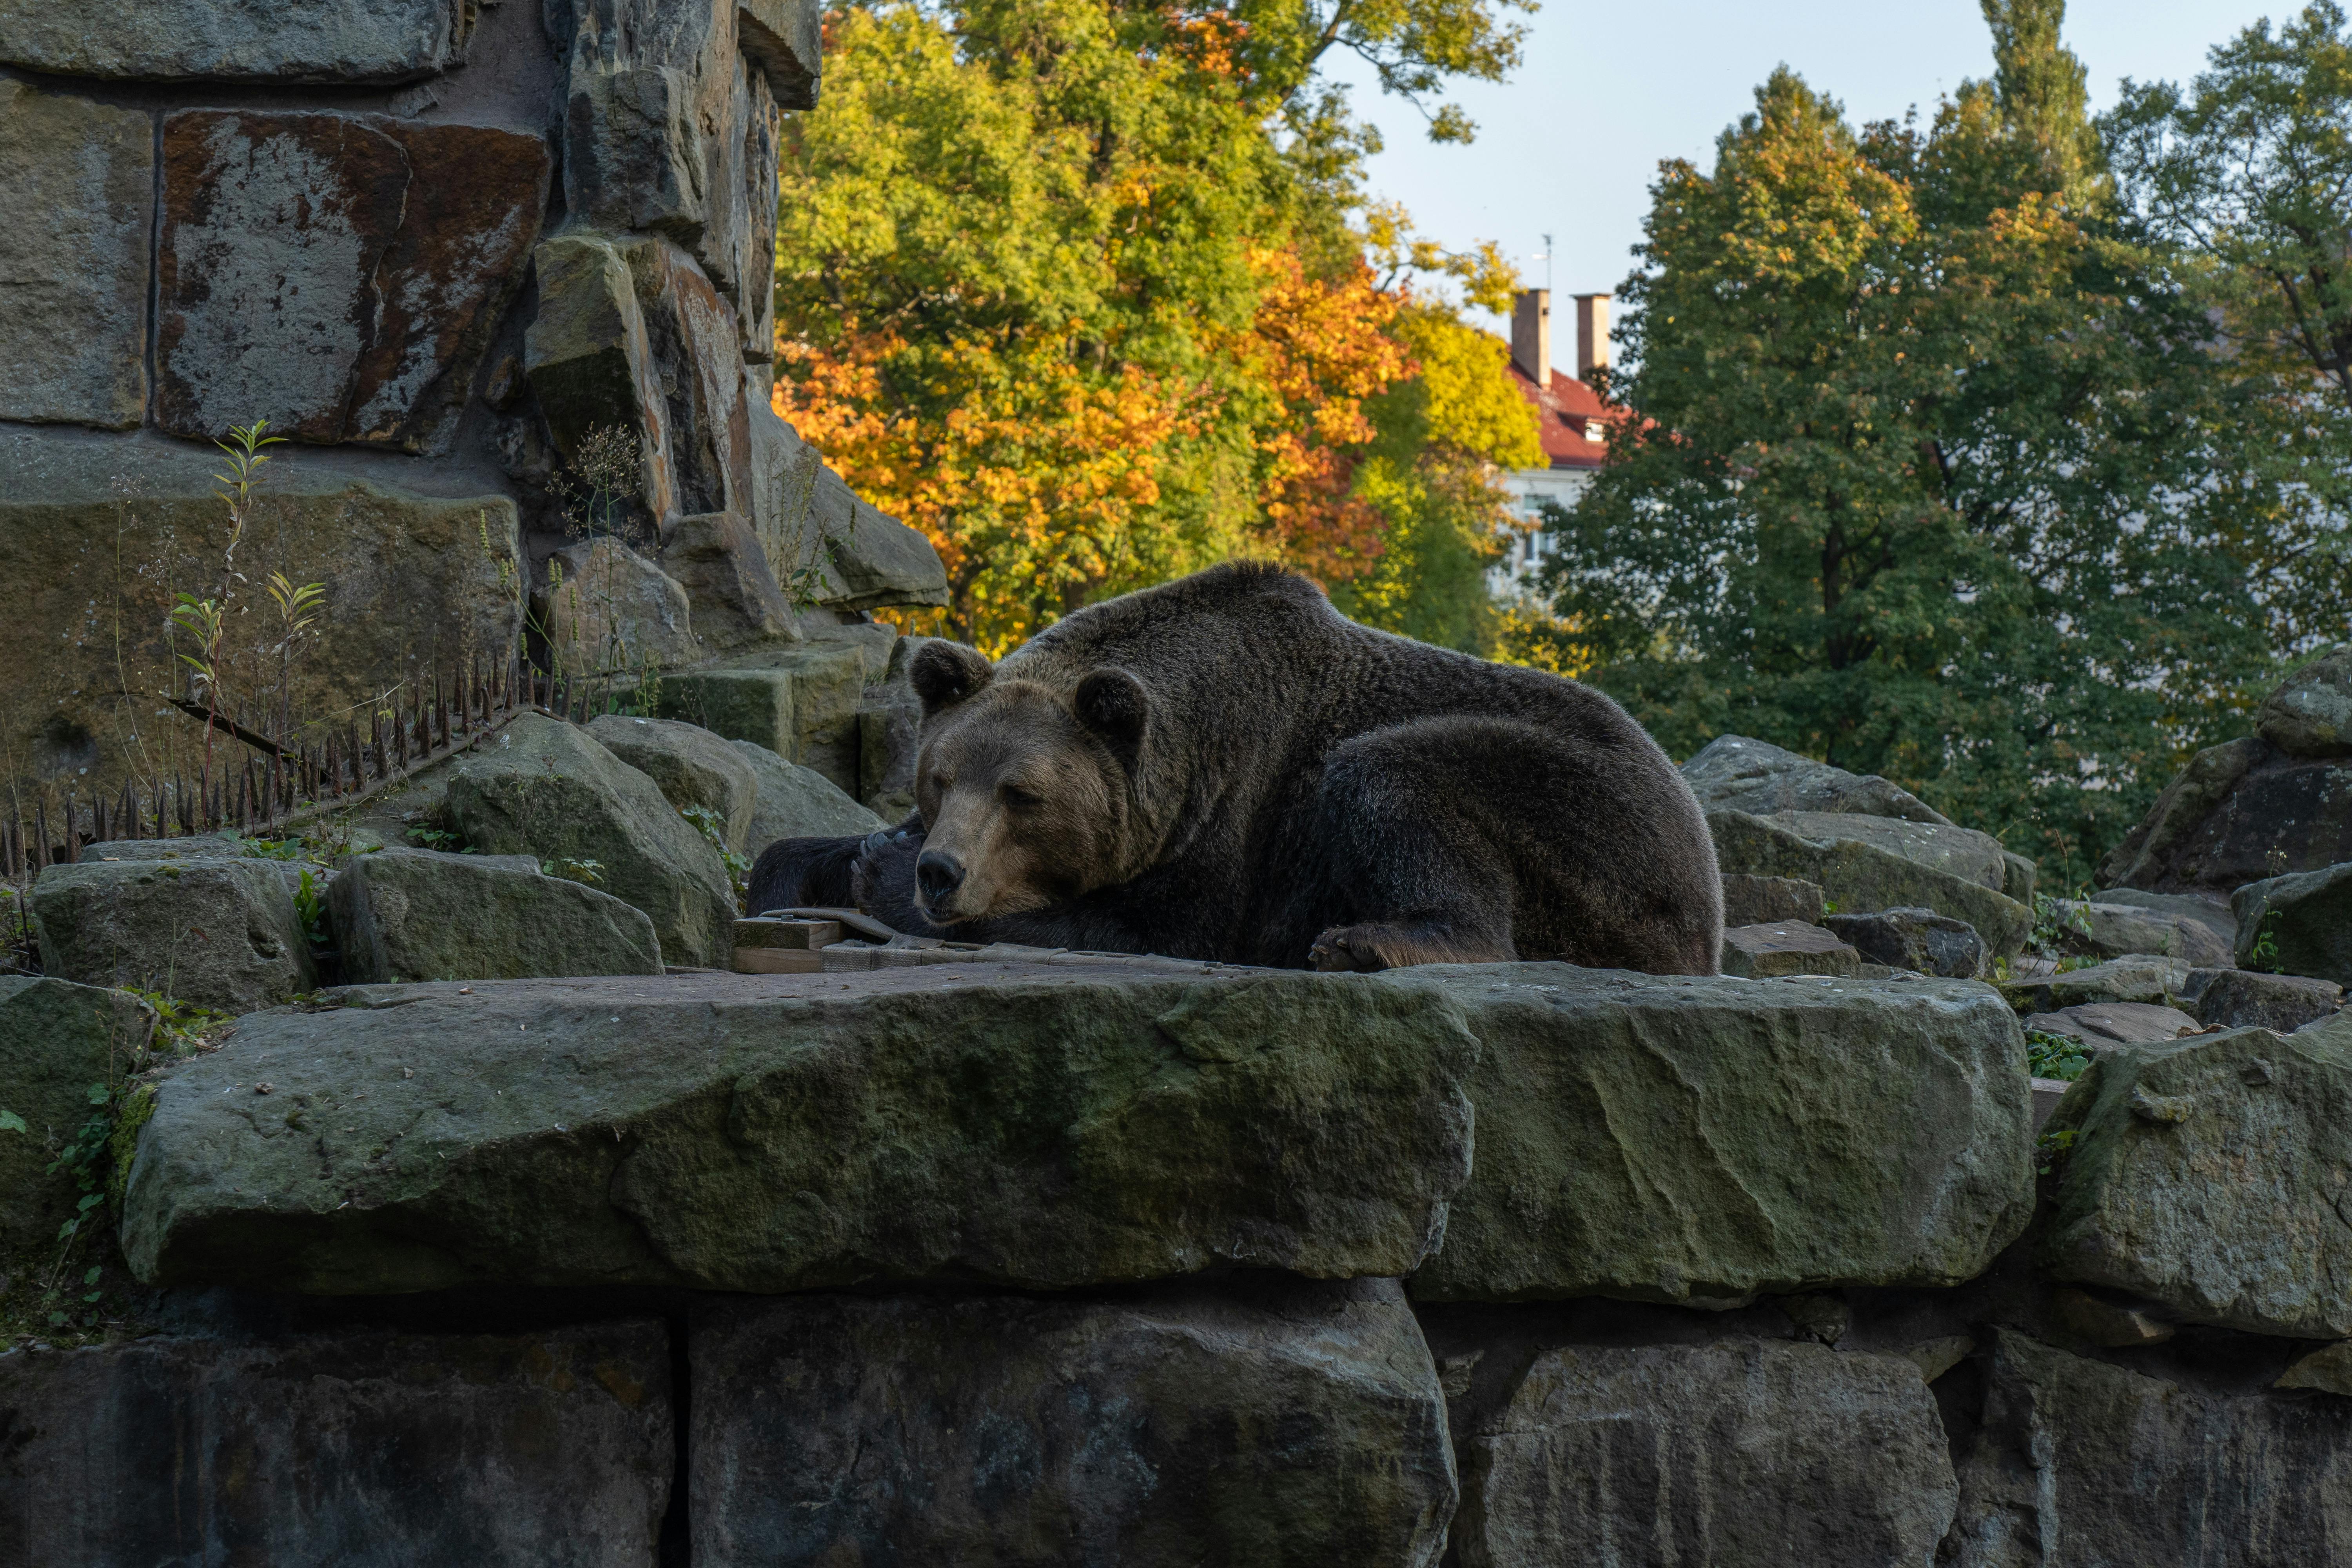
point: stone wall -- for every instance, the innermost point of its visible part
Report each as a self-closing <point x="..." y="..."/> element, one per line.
<point x="1072" y="1262"/>
<point x="439" y="244"/>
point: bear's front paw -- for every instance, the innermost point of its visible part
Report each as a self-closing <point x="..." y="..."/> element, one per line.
<point x="866" y="872"/>
<point x="1344" y="950"/>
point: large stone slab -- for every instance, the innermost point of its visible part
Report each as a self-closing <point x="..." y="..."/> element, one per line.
<point x="802" y="703"/>
<point x="1272" y="1422"/>
<point x="220" y="933"/>
<point x="1702" y="1140"/>
<point x="2146" y="979"/>
<point x="1918" y="939"/>
<point x="335" y="275"/>
<point x="2297" y="924"/>
<point x="97" y="532"/>
<point x="1962" y="852"/>
<point x="1743" y="1454"/>
<point x="80" y="178"/>
<point x="353" y="1447"/>
<point x="2115" y="1023"/>
<point x="826" y="544"/>
<point x="2117" y="931"/>
<point x="2310" y="715"/>
<point x="2236" y="814"/>
<point x="57" y="1042"/>
<point x="1760" y="900"/>
<point x="2210" y="910"/>
<point x="1733" y="773"/>
<point x="410" y="914"/>
<point x="1033" y="1126"/>
<point x="692" y="767"/>
<point x="1860" y="877"/>
<point x="339" y="42"/>
<point x="607" y="609"/>
<point x="2245" y="999"/>
<point x="550" y="790"/>
<point x="1786" y="947"/>
<point x="797" y="803"/>
<point x="2080" y="1462"/>
<point x="592" y="365"/>
<point x="2209" y="1175"/>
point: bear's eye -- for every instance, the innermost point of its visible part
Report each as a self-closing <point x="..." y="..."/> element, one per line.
<point x="1015" y="796"/>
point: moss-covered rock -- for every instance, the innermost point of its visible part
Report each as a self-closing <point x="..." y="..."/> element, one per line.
<point x="410" y="914"/>
<point x="59" y="1043"/>
<point x="1702" y="1140"/>
<point x="1038" y="1127"/>
<point x="1859" y="877"/>
<point x="221" y="934"/>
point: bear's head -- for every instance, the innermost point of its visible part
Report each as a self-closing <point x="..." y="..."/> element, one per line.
<point x="1028" y="795"/>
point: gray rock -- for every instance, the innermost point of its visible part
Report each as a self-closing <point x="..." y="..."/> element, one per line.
<point x="825" y="545"/>
<point x="58" y="1041"/>
<point x="802" y="703"/>
<point x="1962" y="852"/>
<point x="605" y="608"/>
<point x="1273" y="1421"/>
<point x="356" y="1447"/>
<point x="549" y="789"/>
<point x="2329" y="1370"/>
<point x="2206" y="1177"/>
<point x="1035" y="1126"/>
<point x="1917" y="940"/>
<point x="1703" y="1141"/>
<point x="1744" y="1454"/>
<point x="2310" y="715"/>
<point x="797" y="803"/>
<point x="692" y="766"/>
<point x="716" y="557"/>
<point x="2245" y="999"/>
<point x="1735" y="773"/>
<point x="2210" y="910"/>
<point x="220" y="933"/>
<point x="590" y="362"/>
<point x="2236" y="814"/>
<point x="1785" y="947"/>
<point x="782" y="37"/>
<point x="2081" y="1462"/>
<point x="1761" y="901"/>
<point x="410" y="914"/>
<point x="698" y="359"/>
<point x="1862" y="876"/>
<point x="2119" y="930"/>
<point x="2108" y="1325"/>
<point x="889" y="740"/>
<point x="2115" y="1023"/>
<point x="2297" y="924"/>
<point x="327" y="41"/>
<point x="211" y="846"/>
<point x="80" y="176"/>
<point x="2144" y="978"/>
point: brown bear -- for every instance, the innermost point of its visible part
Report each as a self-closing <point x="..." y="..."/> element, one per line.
<point x="1226" y="768"/>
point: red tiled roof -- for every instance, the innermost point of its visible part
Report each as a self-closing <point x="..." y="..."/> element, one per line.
<point x="1562" y="410"/>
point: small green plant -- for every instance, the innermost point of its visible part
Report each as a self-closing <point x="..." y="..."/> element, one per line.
<point x="2056" y="920"/>
<point x="439" y="839"/>
<point x="587" y="873"/>
<point x="713" y="828"/>
<point x="2053" y="1148"/>
<point x="182" y="1028"/>
<point x="312" y="910"/>
<point x="2055" y="1056"/>
<point x="2264" y="954"/>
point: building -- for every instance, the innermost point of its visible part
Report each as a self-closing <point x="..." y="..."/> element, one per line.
<point x="1571" y="419"/>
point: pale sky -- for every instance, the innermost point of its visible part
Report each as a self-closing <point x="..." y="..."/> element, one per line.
<point x="1569" y="145"/>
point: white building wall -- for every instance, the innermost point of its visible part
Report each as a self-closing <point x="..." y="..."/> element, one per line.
<point x="1528" y="489"/>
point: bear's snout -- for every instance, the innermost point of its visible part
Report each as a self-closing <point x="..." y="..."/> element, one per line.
<point x="939" y="874"/>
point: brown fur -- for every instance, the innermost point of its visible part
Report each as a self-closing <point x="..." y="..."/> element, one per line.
<point x="1226" y="768"/>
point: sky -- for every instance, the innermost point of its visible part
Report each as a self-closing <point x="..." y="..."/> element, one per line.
<point x="1569" y="145"/>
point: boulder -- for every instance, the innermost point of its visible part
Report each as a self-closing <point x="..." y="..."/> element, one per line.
<point x="212" y="846"/>
<point x="801" y="703"/>
<point x="783" y="39"/>
<point x="1917" y="940"/>
<point x="2206" y="1176"/>
<point x="1762" y="900"/>
<point x="57" y="1042"/>
<point x="1787" y="947"/>
<point x="797" y="803"/>
<point x="696" y="352"/>
<point x="2078" y="1462"/>
<point x="692" y="766"/>
<point x="221" y="934"/>
<point x="549" y="789"/>
<point x="607" y="609"/>
<point x="1273" y="1421"/>
<point x="1962" y="852"/>
<point x="1037" y="1126"/>
<point x="2156" y="980"/>
<point x="2297" y="924"/>
<point x="2115" y="1023"/>
<point x="416" y="585"/>
<point x="2243" y="999"/>
<point x="412" y="914"/>
<point x="2210" y="910"/>
<point x="1742" y="1454"/>
<point x="716" y="557"/>
<point x="1735" y="773"/>
<point x="591" y="364"/>
<point x="2329" y="1370"/>
<point x="196" y="40"/>
<point x="2236" y="814"/>
<point x="2119" y="930"/>
<point x="825" y="545"/>
<point x="353" y="1445"/>
<point x="80" y="176"/>
<point x="1701" y="1141"/>
<point x="2310" y="715"/>
<point x="1862" y="876"/>
<point x="300" y="282"/>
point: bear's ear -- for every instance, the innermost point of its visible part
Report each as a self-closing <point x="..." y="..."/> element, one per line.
<point x="944" y="673"/>
<point x="1113" y="705"/>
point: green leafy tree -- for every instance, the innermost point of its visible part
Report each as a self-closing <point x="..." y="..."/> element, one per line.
<point x="1918" y="479"/>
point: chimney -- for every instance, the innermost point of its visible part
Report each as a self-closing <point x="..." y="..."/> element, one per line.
<point x="1531" y="335"/>
<point x="1592" y="334"/>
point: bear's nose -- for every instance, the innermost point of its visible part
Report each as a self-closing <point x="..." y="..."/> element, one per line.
<point x="939" y="874"/>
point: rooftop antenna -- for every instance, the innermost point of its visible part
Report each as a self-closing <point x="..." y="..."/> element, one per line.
<point x="1547" y="239"/>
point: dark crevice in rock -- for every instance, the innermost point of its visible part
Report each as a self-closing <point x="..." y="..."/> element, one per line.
<point x="676" y="1540"/>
